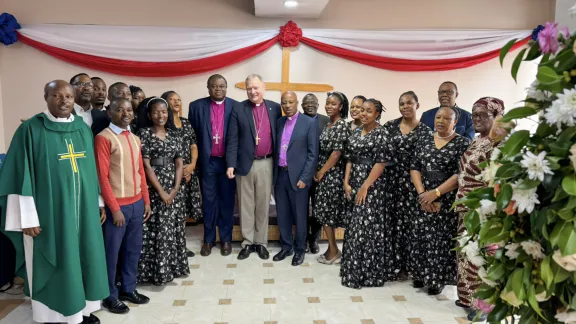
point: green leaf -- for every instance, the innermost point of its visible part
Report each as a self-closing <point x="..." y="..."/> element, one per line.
<point x="504" y="196"/>
<point x="499" y="312"/>
<point x="567" y="134"/>
<point x="532" y="300"/>
<point x="515" y="143"/>
<point x="517" y="113"/>
<point x="547" y="75"/>
<point x="517" y="62"/>
<point x="528" y="184"/>
<point x="560" y="149"/>
<point x="560" y="275"/>
<point x="553" y="162"/>
<point x="496" y="271"/>
<point x="508" y="170"/>
<point x="567" y="61"/>
<point x="567" y="240"/>
<point x="506" y="49"/>
<point x="569" y="184"/>
<point x="545" y="130"/>
<point x="566" y="214"/>
<point x="517" y="278"/>
<point x="546" y="272"/>
<point x="534" y="52"/>
<point x="471" y="221"/>
<point x="485" y="294"/>
<point x="558" y="228"/>
<point x="559" y="194"/>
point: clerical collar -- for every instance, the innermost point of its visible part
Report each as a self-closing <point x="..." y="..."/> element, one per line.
<point x="295" y="116"/>
<point x="58" y="119"/>
<point x="218" y="102"/>
<point x="258" y="105"/>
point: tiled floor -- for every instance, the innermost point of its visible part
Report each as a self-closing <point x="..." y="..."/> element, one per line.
<point x="253" y="291"/>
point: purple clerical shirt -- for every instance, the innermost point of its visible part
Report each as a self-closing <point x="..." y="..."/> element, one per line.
<point x="263" y="130"/>
<point x="285" y="142"/>
<point x="217" y="120"/>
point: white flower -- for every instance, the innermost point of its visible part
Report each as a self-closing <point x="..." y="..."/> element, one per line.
<point x="572" y="10"/>
<point x="563" y="109"/>
<point x="463" y="240"/>
<point x="565" y="317"/>
<point x="533" y="249"/>
<point x="542" y="297"/>
<point x="488" y="175"/>
<point x="536" y="165"/>
<point x="487" y="207"/>
<point x="495" y="154"/>
<point x="567" y="262"/>
<point x="525" y="199"/>
<point x="472" y="253"/>
<point x="511" y="250"/>
<point x="483" y="275"/>
<point x="536" y="94"/>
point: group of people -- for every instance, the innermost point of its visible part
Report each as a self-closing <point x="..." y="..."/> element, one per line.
<point x="147" y="168"/>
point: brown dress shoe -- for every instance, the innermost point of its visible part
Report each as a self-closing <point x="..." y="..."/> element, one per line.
<point x="206" y="249"/>
<point x="226" y="248"/>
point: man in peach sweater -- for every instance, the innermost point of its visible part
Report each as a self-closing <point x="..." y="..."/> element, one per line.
<point x="125" y="193"/>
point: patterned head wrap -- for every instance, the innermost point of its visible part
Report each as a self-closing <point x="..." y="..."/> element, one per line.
<point x="494" y="105"/>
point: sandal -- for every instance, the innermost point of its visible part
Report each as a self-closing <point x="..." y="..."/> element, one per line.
<point x="322" y="259"/>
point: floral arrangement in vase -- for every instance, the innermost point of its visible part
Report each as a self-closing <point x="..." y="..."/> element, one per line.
<point x="521" y="228"/>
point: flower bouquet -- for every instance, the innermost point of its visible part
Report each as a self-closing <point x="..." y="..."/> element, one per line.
<point x="521" y="228"/>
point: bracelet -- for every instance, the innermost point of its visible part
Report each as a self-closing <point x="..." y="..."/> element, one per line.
<point x="438" y="193"/>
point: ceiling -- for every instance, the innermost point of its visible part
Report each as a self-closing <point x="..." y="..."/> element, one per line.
<point x="276" y="8"/>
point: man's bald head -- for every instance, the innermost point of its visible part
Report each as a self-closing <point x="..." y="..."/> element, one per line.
<point x="289" y="103"/>
<point x="59" y="96"/>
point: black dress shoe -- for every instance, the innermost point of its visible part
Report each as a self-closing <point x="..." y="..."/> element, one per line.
<point x="436" y="290"/>
<point x="90" y="319"/>
<point x="189" y="253"/>
<point x="134" y="297"/>
<point x="298" y="259"/>
<point x="115" y="306"/>
<point x="417" y="284"/>
<point x="245" y="252"/>
<point x="225" y="248"/>
<point x="262" y="252"/>
<point x="282" y="255"/>
<point x="313" y="247"/>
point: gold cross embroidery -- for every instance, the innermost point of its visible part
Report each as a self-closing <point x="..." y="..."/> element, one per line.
<point x="72" y="156"/>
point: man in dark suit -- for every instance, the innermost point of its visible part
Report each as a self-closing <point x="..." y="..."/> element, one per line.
<point x="310" y="108"/>
<point x="210" y="117"/>
<point x="296" y="158"/>
<point x="83" y="90"/>
<point x="249" y="157"/>
<point x="447" y="94"/>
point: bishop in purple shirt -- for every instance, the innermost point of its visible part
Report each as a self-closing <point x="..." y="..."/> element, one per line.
<point x="295" y="160"/>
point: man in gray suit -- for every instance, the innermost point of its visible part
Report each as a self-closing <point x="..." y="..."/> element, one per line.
<point x="310" y="108"/>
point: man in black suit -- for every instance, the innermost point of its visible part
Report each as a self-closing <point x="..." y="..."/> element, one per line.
<point x="310" y="108"/>
<point x="210" y="118"/>
<point x="83" y="90"/>
<point x="249" y="157"/>
<point x="296" y="157"/>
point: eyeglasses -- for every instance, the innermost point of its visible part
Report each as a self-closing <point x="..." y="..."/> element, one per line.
<point x="448" y="92"/>
<point x="481" y="116"/>
<point x="83" y="85"/>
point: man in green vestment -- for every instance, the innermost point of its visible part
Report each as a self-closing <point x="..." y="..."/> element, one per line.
<point x="49" y="200"/>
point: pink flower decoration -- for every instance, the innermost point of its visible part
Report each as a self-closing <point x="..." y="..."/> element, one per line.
<point x="565" y="32"/>
<point x="548" y="38"/>
<point x="483" y="306"/>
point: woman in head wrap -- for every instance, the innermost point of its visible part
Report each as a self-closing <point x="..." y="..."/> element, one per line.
<point x="485" y="112"/>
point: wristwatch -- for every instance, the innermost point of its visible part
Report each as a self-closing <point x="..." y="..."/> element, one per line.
<point x="438" y="193"/>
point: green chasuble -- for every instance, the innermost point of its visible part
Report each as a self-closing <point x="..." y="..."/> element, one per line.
<point x="54" y="164"/>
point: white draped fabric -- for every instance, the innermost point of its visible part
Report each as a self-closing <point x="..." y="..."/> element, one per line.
<point x="177" y="44"/>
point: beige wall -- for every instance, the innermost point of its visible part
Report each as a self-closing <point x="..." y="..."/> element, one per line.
<point x="24" y="71"/>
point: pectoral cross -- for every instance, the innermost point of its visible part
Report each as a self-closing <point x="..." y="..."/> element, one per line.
<point x="257" y="139"/>
<point x="216" y="138"/>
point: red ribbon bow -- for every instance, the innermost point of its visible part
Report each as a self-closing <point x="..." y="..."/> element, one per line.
<point x="290" y="34"/>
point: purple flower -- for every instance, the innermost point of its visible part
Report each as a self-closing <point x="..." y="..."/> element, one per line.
<point x="535" y="32"/>
<point x="548" y="38"/>
<point x="565" y="32"/>
<point x="8" y="26"/>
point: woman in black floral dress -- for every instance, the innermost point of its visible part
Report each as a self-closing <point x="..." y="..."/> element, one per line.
<point x="404" y="132"/>
<point x="434" y="173"/>
<point x="364" y="262"/>
<point x="330" y="205"/>
<point x="355" y="108"/>
<point x="162" y="258"/>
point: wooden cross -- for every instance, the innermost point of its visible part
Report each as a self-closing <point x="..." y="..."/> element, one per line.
<point x="285" y="84"/>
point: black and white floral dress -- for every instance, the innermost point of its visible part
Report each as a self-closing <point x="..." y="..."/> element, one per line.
<point x="190" y="190"/>
<point x="364" y="255"/>
<point x="330" y="202"/>
<point x="162" y="257"/>
<point x="432" y="260"/>
<point x="400" y="192"/>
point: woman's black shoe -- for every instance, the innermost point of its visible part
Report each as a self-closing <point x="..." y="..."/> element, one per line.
<point x="433" y="291"/>
<point x="460" y="304"/>
<point x="417" y="284"/>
